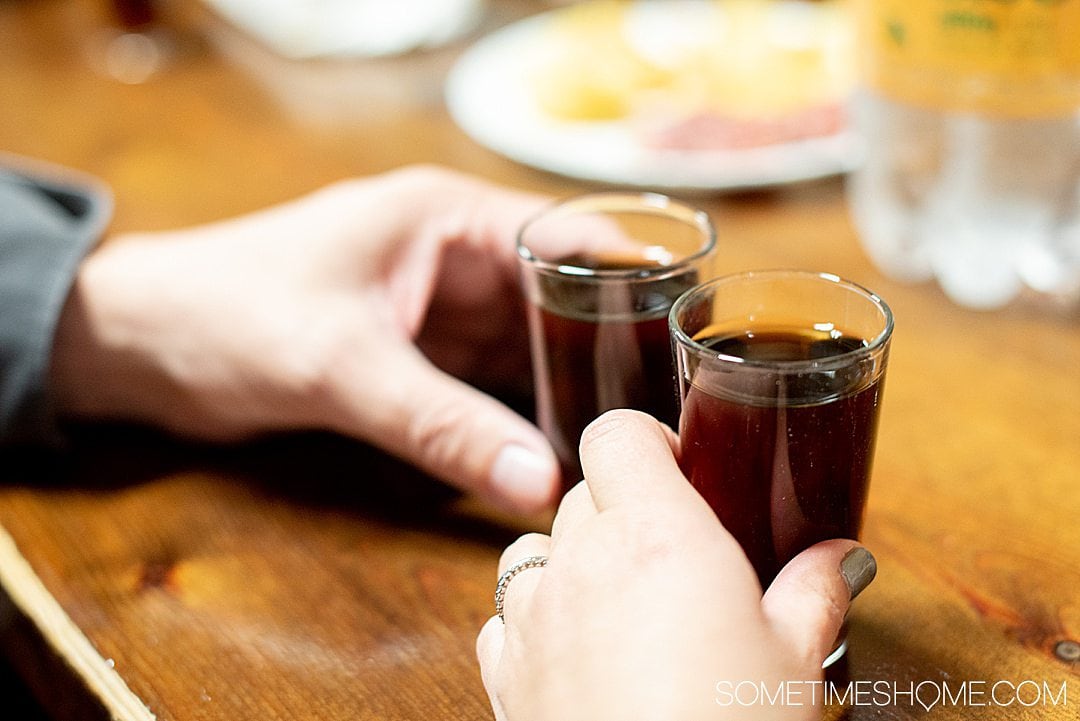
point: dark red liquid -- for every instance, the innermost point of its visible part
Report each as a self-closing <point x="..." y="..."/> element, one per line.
<point x="134" y="14"/>
<point x="782" y="477"/>
<point x="593" y="354"/>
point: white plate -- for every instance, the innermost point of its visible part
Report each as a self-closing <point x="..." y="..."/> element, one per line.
<point x="489" y="95"/>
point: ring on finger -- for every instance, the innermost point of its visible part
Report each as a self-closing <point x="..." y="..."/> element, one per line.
<point x="508" y="575"/>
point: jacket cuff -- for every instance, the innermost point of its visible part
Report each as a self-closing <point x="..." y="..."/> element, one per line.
<point x="50" y="218"/>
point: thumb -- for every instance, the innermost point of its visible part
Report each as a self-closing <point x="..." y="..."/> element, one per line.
<point x="465" y="437"/>
<point x="810" y="597"/>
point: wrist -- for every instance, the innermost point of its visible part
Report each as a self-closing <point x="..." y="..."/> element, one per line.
<point x="92" y="362"/>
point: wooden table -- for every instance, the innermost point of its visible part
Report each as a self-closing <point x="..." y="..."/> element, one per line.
<point x="145" y="577"/>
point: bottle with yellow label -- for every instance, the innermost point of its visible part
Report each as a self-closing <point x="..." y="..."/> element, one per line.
<point x="970" y="114"/>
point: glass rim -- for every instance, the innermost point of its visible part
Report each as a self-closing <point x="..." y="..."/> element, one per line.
<point x="657" y="203"/>
<point x="839" y="360"/>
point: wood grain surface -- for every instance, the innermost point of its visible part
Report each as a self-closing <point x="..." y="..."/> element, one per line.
<point x="310" y="577"/>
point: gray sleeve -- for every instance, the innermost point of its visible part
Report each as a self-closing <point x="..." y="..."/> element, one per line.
<point x="48" y="222"/>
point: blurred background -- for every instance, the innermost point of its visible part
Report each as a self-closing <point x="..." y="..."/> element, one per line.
<point x="952" y="139"/>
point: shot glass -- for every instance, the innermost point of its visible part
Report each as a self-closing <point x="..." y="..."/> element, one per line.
<point x="781" y="376"/>
<point x="600" y="273"/>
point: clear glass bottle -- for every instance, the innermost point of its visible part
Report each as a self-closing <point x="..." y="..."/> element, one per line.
<point x="970" y="114"/>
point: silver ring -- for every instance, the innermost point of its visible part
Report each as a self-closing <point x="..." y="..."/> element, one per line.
<point x="504" y="580"/>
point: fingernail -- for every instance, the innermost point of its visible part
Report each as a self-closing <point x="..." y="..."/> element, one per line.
<point x="522" y="476"/>
<point x="858" y="569"/>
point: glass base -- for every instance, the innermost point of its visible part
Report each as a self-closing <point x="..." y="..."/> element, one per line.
<point x="838" y="652"/>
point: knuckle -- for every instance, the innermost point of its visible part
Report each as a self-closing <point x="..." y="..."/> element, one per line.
<point x="640" y="540"/>
<point x="439" y="433"/>
<point x="530" y="544"/>
<point x="610" y="426"/>
<point x="414" y="180"/>
<point x="313" y="364"/>
<point x="834" y="605"/>
<point x="652" y="542"/>
<point x="575" y="500"/>
<point x="423" y="175"/>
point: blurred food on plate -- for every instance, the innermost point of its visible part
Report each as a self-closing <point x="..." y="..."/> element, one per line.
<point x="700" y="74"/>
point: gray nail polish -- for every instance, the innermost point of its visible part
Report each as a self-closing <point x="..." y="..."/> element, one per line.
<point x="858" y="569"/>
